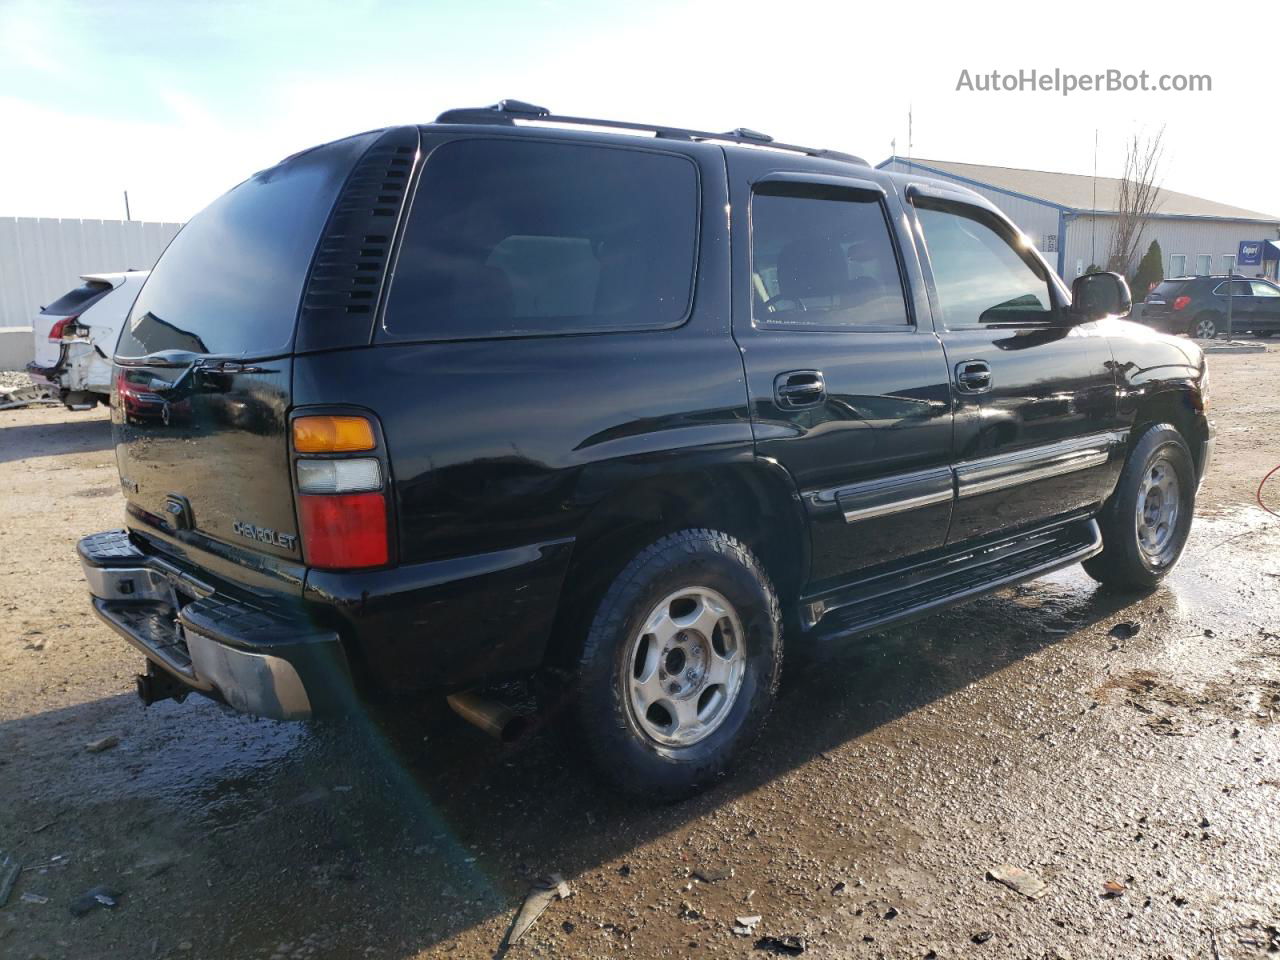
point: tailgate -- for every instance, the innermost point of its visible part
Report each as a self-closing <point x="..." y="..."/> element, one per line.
<point x="209" y="459"/>
<point x="46" y="353"/>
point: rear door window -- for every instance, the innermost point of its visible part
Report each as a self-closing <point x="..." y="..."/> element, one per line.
<point x="514" y="238"/>
<point x="1239" y="288"/>
<point x="77" y="300"/>
<point x="823" y="258"/>
<point x="230" y="282"/>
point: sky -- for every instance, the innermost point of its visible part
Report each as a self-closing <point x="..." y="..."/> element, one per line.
<point x="178" y="101"/>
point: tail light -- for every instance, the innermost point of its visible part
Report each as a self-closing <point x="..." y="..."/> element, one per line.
<point x="64" y="329"/>
<point x="1180" y="303"/>
<point x="342" y="499"/>
<point x="341" y="531"/>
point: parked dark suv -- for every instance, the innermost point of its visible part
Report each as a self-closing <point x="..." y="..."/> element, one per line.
<point x="1197" y="306"/>
<point x="442" y="405"/>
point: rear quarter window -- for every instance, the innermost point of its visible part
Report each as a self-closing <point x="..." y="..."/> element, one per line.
<point x="516" y="238"/>
<point x="230" y="282"/>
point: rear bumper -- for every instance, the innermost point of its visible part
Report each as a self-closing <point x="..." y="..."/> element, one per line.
<point x="79" y="370"/>
<point x="45" y="376"/>
<point x="1169" y="322"/>
<point x="258" y="656"/>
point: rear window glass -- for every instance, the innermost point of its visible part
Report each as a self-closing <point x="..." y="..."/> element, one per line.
<point x="231" y="280"/>
<point x="78" y="299"/>
<point x="1166" y="288"/>
<point x="511" y="238"/>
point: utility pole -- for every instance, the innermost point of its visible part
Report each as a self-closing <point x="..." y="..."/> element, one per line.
<point x="1093" y="214"/>
<point x="1231" y="299"/>
<point x="126" y="206"/>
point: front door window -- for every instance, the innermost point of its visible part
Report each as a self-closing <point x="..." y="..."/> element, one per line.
<point x="980" y="277"/>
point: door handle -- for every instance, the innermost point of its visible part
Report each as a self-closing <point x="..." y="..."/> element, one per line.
<point x="973" y="376"/>
<point x="797" y="389"/>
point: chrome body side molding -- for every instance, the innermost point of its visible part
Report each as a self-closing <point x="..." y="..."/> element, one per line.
<point x="886" y="496"/>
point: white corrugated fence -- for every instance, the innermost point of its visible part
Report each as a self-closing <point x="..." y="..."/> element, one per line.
<point x="41" y="258"/>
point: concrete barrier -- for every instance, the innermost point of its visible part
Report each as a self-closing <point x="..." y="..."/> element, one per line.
<point x="16" y="348"/>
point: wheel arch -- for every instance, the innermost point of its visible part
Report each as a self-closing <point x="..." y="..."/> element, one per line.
<point x="750" y="498"/>
<point x="1180" y="405"/>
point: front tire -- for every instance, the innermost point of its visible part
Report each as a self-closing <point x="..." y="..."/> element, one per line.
<point x="1146" y="521"/>
<point x="680" y="665"/>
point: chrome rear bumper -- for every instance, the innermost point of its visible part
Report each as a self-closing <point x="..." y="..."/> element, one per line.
<point x="256" y="656"/>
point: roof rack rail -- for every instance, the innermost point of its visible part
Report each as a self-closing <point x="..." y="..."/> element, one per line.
<point x="507" y="112"/>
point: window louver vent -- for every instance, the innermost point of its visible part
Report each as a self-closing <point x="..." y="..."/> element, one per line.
<point x="350" y="262"/>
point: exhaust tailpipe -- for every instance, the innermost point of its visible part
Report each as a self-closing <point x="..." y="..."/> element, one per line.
<point x="496" y="719"/>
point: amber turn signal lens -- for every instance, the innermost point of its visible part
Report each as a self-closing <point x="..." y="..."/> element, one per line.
<point x="332" y="435"/>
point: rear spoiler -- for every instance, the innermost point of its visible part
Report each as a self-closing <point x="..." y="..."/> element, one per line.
<point x="115" y="279"/>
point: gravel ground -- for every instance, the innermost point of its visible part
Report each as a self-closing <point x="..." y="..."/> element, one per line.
<point x="1029" y="728"/>
<point x="9" y="379"/>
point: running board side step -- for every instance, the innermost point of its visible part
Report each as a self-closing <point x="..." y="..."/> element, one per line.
<point x="888" y="600"/>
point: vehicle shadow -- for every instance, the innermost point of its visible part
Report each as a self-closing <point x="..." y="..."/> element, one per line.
<point x="395" y="830"/>
<point x="22" y="441"/>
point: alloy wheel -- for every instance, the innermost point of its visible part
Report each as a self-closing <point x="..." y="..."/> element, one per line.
<point x="684" y="667"/>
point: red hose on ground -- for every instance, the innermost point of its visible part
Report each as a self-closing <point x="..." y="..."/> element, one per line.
<point x="1258" y="496"/>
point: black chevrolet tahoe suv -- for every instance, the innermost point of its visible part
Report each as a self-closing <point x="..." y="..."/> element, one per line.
<point x="615" y="408"/>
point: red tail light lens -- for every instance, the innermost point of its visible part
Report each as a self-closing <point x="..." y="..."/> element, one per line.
<point x="344" y="531"/>
<point x="1181" y="302"/>
<point x="59" y="329"/>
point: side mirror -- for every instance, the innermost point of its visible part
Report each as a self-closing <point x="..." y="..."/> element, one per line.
<point x="1098" y="295"/>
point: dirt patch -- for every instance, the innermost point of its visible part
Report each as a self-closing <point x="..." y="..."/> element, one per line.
<point x="1171" y="710"/>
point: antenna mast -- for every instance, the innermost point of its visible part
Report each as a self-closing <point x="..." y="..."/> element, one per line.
<point x="1093" y="216"/>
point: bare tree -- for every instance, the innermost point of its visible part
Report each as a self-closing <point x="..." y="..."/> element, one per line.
<point x="1137" y="198"/>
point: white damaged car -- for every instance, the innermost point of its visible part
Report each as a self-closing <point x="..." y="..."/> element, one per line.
<point x="76" y="336"/>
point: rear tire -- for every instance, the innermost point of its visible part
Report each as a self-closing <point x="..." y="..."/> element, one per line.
<point x="1146" y="521"/>
<point x="680" y="665"/>
<point x="1205" y="326"/>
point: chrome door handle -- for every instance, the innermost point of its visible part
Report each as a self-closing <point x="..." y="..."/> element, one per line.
<point x="973" y="376"/>
<point x="797" y="389"/>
